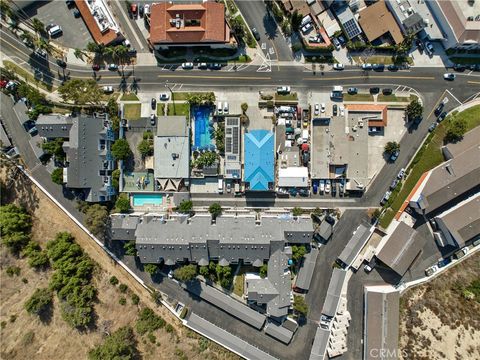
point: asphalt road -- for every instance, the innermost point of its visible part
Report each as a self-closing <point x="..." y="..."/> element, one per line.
<point x="256" y="15"/>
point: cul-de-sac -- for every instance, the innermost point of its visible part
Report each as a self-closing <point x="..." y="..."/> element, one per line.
<point x="240" y="179"/>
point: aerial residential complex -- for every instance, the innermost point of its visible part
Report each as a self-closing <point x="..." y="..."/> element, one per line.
<point x="277" y="174"/>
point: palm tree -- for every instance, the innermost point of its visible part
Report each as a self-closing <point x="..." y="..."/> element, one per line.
<point x="78" y="53"/>
<point x="27" y="37"/>
<point x="5" y="10"/>
<point x="121" y="51"/>
<point x="44" y="44"/>
<point x="38" y="26"/>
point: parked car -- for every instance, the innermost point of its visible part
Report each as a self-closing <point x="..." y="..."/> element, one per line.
<point x="187" y="66"/>
<point x="229" y="188"/>
<point x="95" y="67"/>
<point x="170" y="274"/>
<point x="147" y="9"/>
<point x="334" y="189"/>
<point x="420" y="45"/>
<point x="401" y="174"/>
<point x="108" y="89"/>
<point x="54" y="30"/>
<point x="306" y="28"/>
<point x="141" y="10"/>
<point x="461" y="253"/>
<point x="442" y="117"/>
<point x="293" y="192"/>
<point x="322" y="107"/>
<point x="378" y="67"/>
<point x="335" y="109"/>
<point x="394" y="184"/>
<point x="387" y="91"/>
<point x="283" y="90"/>
<point x="327" y="186"/>
<point x="374" y="90"/>
<point x="444" y="262"/>
<point x="432" y="127"/>
<point x="112" y="67"/>
<point x="314" y="39"/>
<point x="367" y="66"/>
<point x="394" y="156"/>
<point x="439" y="108"/>
<point x="76" y="13"/>
<point x="459" y="67"/>
<point x="336" y="43"/>
<point x="134" y="10"/>
<point x="153" y="103"/>
<point x="256" y="34"/>
<point x="315" y="186"/>
<point x="322" y="186"/>
<point x="215" y="66"/>
<point x="152" y="119"/>
<point x="368" y="268"/>
<point x="202" y="66"/>
<point x="431" y="270"/>
<point x="316" y="109"/>
<point x="392" y="67"/>
<point x="449" y="76"/>
<point x="303" y="192"/>
<point x="385" y="198"/>
<point x="338" y="66"/>
<point x="329" y="219"/>
<point x="429" y="48"/>
<point x="164" y="96"/>
<point x="41" y="53"/>
<point x="352" y="90"/>
<point x="61" y="63"/>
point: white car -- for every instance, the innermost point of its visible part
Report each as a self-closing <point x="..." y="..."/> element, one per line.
<point x="431" y="270"/>
<point x="323" y="107"/>
<point x="327" y="186"/>
<point x="338" y="66"/>
<point x="283" y="90"/>
<point x="316" y="109"/>
<point x="108" y="89"/>
<point x="170" y="274"/>
<point x="307" y="28"/>
<point x="55" y="30"/>
<point x="429" y="47"/>
<point x="449" y="76"/>
<point x="146" y="9"/>
<point x="367" y="268"/>
<point x="342" y="111"/>
<point x="401" y="174"/>
<point x="367" y="66"/>
<point x="164" y="96"/>
<point x="187" y="66"/>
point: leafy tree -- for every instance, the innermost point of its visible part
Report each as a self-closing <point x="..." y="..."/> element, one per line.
<point x="54" y="148"/>
<point x="299" y="305"/>
<point x="13" y="270"/>
<point x="156" y="296"/>
<point x="207" y="158"/>
<point x="151" y="268"/>
<point x="135" y="299"/>
<point x="237" y="27"/>
<point x="414" y="109"/>
<point x="122" y="301"/>
<point x="113" y="280"/>
<point x="44" y="44"/>
<point x="57" y="176"/>
<point x="263" y="271"/>
<point x="456" y="129"/>
<point x="81" y="92"/>
<point x="121" y="149"/>
<point x="185" y="273"/>
<point x="15" y="225"/>
<point x="38" y="26"/>
<point x="115" y="179"/>
<point x="391" y="147"/>
<point x="244" y="107"/>
<point x="39" y="260"/>
<point x="145" y="147"/>
<point x="185" y="207"/>
<point x="298" y="252"/>
<point x="5" y="10"/>
<point x="130" y="249"/>
<point x="215" y="210"/>
<point x="120" y="345"/>
<point x="296" y="20"/>
<point x="96" y="217"/>
<point x="148" y="321"/>
<point x="286" y="27"/>
<point x="39" y="302"/>
<point x="204" y="271"/>
<point x="220" y="137"/>
<point x="122" y="204"/>
<point x="123" y="288"/>
<point x="296" y="211"/>
<point x="27" y="37"/>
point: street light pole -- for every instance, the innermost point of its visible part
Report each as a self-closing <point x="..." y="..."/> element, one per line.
<point x="173" y="99"/>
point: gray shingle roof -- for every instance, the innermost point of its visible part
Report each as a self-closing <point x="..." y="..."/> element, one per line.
<point x="334" y="291"/>
<point x="355" y="244"/>
<point x="305" y="274"/>
<point x="226" y="303"/>
<point x="320" y="343"/>
<point x="278" y="332"/>
<point x="54" y="126"/>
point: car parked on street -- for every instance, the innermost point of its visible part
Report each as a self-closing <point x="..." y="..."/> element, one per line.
<point x="187" y="66"/>
<point x="394" y="184"/>
<point x="108" y="89"/>
<point x="202" y="66"/>
<point x="338" y="66"/>
<point x="95" y="67"/>
<point x="439" y="108"/>
<point x="367" y="66"/>
<point x="256" y="34"/>
<point x="401" y="174"/>
<point x="152" y="119"/>
<point x="442" y="117"/>
<point x="432" y="127"/>
<point x="61" y="63"/>
<point x="392" y="67"/>
<point x="431" y="270"/>
<point x="387" y="91"/>
<point x="385" y="198"/>
<point x="352" y="90"/>
<point x="153" y="103"/>
<point x="378" y="67"/>
<point x="394" y="156"/>
<point x="283" y="90"/>
<point x="134" y="10"/>
<point x="112" y="67"/>
<point x="374" y="90"/>
<point x="164" y="96"/>
<point x="444" y="262"/>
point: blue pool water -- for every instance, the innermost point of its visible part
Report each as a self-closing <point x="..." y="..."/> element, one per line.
<point x="203" y="130"/>
<point x="147" y="199"/>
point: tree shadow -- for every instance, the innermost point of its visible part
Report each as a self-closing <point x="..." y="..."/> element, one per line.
<point x="271" y="29"/>
<point x="46" y="315"/>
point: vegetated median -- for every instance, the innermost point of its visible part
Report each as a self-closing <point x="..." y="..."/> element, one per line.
<point x="428" y="157"/>
<point x="11" y="66"/>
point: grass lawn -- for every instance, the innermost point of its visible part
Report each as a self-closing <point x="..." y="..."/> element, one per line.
<point x="392" y="98"/>
<point x="238" y="284"/>
<point x="179" y="109"/>
<point x="160" y="109"/>
<point x="129" y="97"/>
<point x="427" y="158"/>
<point x="29" y="78"/>
<point x="386" y="60"/>
<point x="62" y="110"/>
<point x="465" y="60"/>
<point x="357" y="97"/>
<point x="181" y="96"/>
<point x="131" y="111"/>
<point x="288" y="97"/>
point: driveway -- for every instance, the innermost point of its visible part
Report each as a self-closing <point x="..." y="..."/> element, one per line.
<point x="272" y="42"/>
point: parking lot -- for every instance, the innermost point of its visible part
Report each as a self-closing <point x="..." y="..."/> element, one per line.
<point x="75" y="32"/>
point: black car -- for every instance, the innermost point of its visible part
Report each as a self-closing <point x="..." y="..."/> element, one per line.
<point x="215" y="66"/>
<point x="70" y="3"/>
<point x="154" y="103"/>
<point x="420" y="45"/>
<point x="303" y="192"/>
<point x="335" y="109"/>
<point x="387" y="91"/>
<point x="329" y="219"/>
<point x="442" y="116"/>
<point x="352" y="91"/>
<point x="459" y="67"/>
<point x="141" y="10"/>
<point x="439" y="109"/>
<point x="76" y="13"/>
<point x="374" y="90"/>
<point x="61" y="63"/>
<point x="392" y="67"/>
<point x="256" y="34"/>
<point x="28" y="125"/>
<point x="378" y="67"/>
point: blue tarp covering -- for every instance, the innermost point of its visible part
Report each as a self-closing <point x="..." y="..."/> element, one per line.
<point x="259" y="159"/>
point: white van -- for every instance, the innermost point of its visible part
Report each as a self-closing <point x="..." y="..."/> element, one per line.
<point x="225" y="107"/>
<point x="220" y="186"/>
<point x="55" y="31"/>
<point x="219" y="108"/>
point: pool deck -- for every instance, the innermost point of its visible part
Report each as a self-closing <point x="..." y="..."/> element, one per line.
<point x="130" y="182"/>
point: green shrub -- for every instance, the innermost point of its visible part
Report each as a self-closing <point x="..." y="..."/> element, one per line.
<point x="148" y="321"/>
<point x="135" y="299"/>
<point x="39" y="302"/>
<point x="13" y="270"/>
<point x="120" y="345"/>
<point x="123" y="288"/>
<point x="113" y="280"/>
<point x="122" y="301"/>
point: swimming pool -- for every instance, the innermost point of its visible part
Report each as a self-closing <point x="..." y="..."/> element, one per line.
<point x="203" y="130"/>
<point x="147" y="199"/>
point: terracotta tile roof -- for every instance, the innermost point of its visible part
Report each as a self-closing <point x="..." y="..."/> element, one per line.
<point x="107" y="37"/>
<point x="209" y="16"/>
<point x="376" y="20"/>
<point x="371" y="108"/>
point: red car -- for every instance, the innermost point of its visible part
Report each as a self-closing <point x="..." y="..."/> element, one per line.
<point x="3" y="83"/>
<point x="134" y="9"/>
<point x="95" y="67"/>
